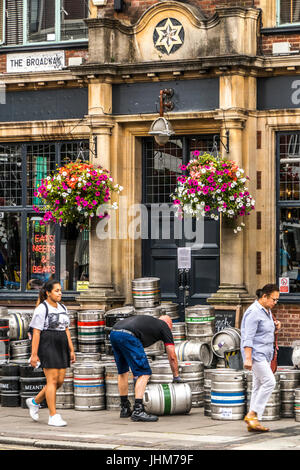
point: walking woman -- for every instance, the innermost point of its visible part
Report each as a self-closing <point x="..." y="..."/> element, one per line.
<point x="257" y="348"/>
<point x="52" y="347"/>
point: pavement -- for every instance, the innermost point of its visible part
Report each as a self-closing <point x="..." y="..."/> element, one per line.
<point x="104" y="430"/>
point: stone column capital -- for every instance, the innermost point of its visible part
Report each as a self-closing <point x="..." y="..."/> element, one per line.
<point x="233" y="118"/>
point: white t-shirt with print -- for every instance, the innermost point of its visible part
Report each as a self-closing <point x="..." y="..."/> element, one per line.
<point x="57" y="319"/>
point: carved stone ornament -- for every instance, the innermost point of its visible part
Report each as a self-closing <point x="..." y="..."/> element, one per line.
<point x="168" y="35"/>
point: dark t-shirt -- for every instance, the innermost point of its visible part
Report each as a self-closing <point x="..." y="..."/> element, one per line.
<point x="147" y="329"/>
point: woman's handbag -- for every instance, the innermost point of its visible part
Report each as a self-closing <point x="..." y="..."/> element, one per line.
<point x="274" y="360"/>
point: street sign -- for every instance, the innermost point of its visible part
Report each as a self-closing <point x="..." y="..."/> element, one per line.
<point x="284" y="285"/>
<point x="184" y="258"/>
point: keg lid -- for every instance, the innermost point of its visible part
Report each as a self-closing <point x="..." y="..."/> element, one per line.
<point x="127" y="310"/>
<point x="146" y="279"/>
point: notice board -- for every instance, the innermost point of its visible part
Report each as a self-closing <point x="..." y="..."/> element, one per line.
<point x="227" y="316"/>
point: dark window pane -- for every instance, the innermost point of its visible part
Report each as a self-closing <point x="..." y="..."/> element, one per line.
<point x="10" y="175"/>
<point x="40" y="252"/>
<point x="40" y="163"/>
<point x="290" y="246"/>
<point x="289" y="11"/>
<point x="10" y="251"/>
<point x="72" y="16"/>
<point x="41" y="20"/>
<point x="289" y="154"/>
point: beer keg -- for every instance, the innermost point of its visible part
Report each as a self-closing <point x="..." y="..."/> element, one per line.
<point x="207" y="390"/>
<point x="73" y="328"/>
<point x="4" y="340"/>
<point x="10" y="385"/>
<point x="194" y="351"/>
<point x="161" y="372"/>
<point x="146" y="292"/>
<point x="272" y="409"/>
<point x="20" y="351"/>
<point x="65" y="393"/>
<point x="89" y="386"/>
<point x="227" y="339"/>
<point x="111" y="318"/>
<point x="155" y="312"/>
<point x="297" y="405"/>
<point x="228" y="396"/>
<point x="112" y="390"/>
<point x="18" y="325"/>
<point x="171" y="309"/>
<point x="192" y="373"/>
<point x="200" y="323"/>
<point x="90" y="325"/>
<point x="156" y="349"/>
<point x="178" y="332"/>
<point x="32" y="382"/>
<point x="87" y="357"/>
<point x="289" y="381"/>
<point x="167" y="399"/>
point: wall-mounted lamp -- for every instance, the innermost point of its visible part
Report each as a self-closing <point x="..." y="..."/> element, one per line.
<point x="161" y="128"/>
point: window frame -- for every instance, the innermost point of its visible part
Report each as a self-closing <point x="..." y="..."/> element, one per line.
<point x="282" y="25"/>
<point x="27" y="211"/>
<point x="26" y="43"/>
<point x="281" y="204"/>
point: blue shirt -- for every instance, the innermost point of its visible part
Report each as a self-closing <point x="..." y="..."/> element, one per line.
<point x="257" y="332"/>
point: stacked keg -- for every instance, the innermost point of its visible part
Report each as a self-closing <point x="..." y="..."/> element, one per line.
<point x="90" y="325"/>
<point x="228" y="339"/>
<point x="10" y="385"/>
<point x="297" y="405"/>
<point x="89" y="386"/>
<point x="87" y="357"/>
<point x="194" y="351"/>
<point x="73" y="328"/>
<point x="32" y="382"/>
<point x="192" y="373"/>
<point x="289" y="381"/>
<point x="146" y="292"/>
<point x="272" y="409"/>
<point x="155" y="312"/>
<point x="171" y="309"/>
<point x="20" y="351"/>
<point x="200" y="323"/>
<point x="65" y="394"/>
<point x="228" y="396"/>
<point x="156" y="349"/>
<point x="18" y="325"/>
<point x="4" y="340"/>
<point x="178" y="332"/>
<point x="112" y="390"/>
<point x="111" y="318"/>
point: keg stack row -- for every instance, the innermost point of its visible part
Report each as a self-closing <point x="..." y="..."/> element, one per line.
<point x="228" y="393"/>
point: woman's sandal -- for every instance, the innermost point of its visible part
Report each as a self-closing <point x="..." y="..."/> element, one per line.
<point x="254" y="425"/>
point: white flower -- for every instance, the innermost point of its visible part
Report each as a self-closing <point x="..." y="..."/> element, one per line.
<point x="203" y="170"/>
<point x="238" y="174"/>
<point x="79" y="209"/>
<point x="235" y="231"/>
<point x="248" y="205"/>
<point x="115" y="205"/>
<point x="220" y="180"/>
<point x="218" y="191"/>
<point x="64" y="194"/>
<point x="64" y="173"/>
<point x="239" y="229"/>
<point x="69" y="190"/>
<point x="231" y="198"/>
<point x="79" y="185"/>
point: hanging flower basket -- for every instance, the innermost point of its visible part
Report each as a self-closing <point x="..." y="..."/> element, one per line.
<point x="214" y="186"/>
<point x="75" y="193"/>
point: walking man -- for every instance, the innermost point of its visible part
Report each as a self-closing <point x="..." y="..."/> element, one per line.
<point x="128" y="338"/>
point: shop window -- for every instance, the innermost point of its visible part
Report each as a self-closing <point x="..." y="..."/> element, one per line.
<point x="43" y="21"/>
<point x="288" y="11"/>
<point x="10" y="251"/>
<point x="31" y="253"/>
<point x="288" y="262"/>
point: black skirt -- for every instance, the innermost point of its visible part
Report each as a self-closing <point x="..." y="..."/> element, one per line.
<point x="54" y="350"/>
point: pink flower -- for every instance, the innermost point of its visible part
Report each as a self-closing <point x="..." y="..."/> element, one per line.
<point x="176" y="202"/>
<point x="210" y="179"/>
<point x="196" y="153"/>
<point x="94" y="203"/>
<point x="207" y="208"/>
<point x="182" y="167"/>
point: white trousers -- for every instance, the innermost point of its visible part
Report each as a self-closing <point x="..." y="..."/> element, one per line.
<point x="263" y="384"/>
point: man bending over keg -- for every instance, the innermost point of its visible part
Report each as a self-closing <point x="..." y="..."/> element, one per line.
<point x="128" y="338"/>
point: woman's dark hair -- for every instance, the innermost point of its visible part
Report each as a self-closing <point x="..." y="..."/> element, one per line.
<point x="267" y="290"/>
<point x="47" y="287"/>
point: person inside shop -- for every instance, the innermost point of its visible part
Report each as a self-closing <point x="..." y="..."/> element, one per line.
<point x="258" y="331"/>
<point x="128" y="338"/>
<point x="52" y="347"/>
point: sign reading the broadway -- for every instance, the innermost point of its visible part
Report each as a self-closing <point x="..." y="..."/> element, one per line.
<point x="35" y="62"/>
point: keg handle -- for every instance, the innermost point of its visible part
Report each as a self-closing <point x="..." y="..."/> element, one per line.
<point x="146" y="397"/>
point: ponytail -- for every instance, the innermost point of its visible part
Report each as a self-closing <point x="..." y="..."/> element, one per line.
<point x="47" y="287"/>
<point x="267" y="290"/>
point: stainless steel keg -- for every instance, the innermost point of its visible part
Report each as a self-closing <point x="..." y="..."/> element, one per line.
<point x="168" y="399"/>
<point x="297" y="405"/>
<point x="112" y="390"/>
<point x="178" y="332"/>
<point x="194" y="351"/>
<point x="200" y="323"/>
<point x="192" y="373"/>
<point x="225" y="340"/>
<point x="228" y="395"/>
<point x="89" y="386"/>
<point x="90" y="324"/>
<point x="272" y="409"/>
<point x="155" y="312"/>
<point x="171" y="309"/>
<point x="146" y="292"/>
<point x="289" y="381"/>
<point x="65" y="394"/>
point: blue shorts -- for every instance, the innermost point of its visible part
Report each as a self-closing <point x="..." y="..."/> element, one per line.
<point x="129" y="353"/>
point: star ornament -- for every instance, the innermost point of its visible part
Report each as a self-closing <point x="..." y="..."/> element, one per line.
<point x="168" y="35"/>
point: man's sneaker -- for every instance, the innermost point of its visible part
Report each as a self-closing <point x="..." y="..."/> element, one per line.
<point x="126" y="410"/>
<point x="56" y="420"/>
<point x="139" y="414"/>
<point x="33" y="409"/>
